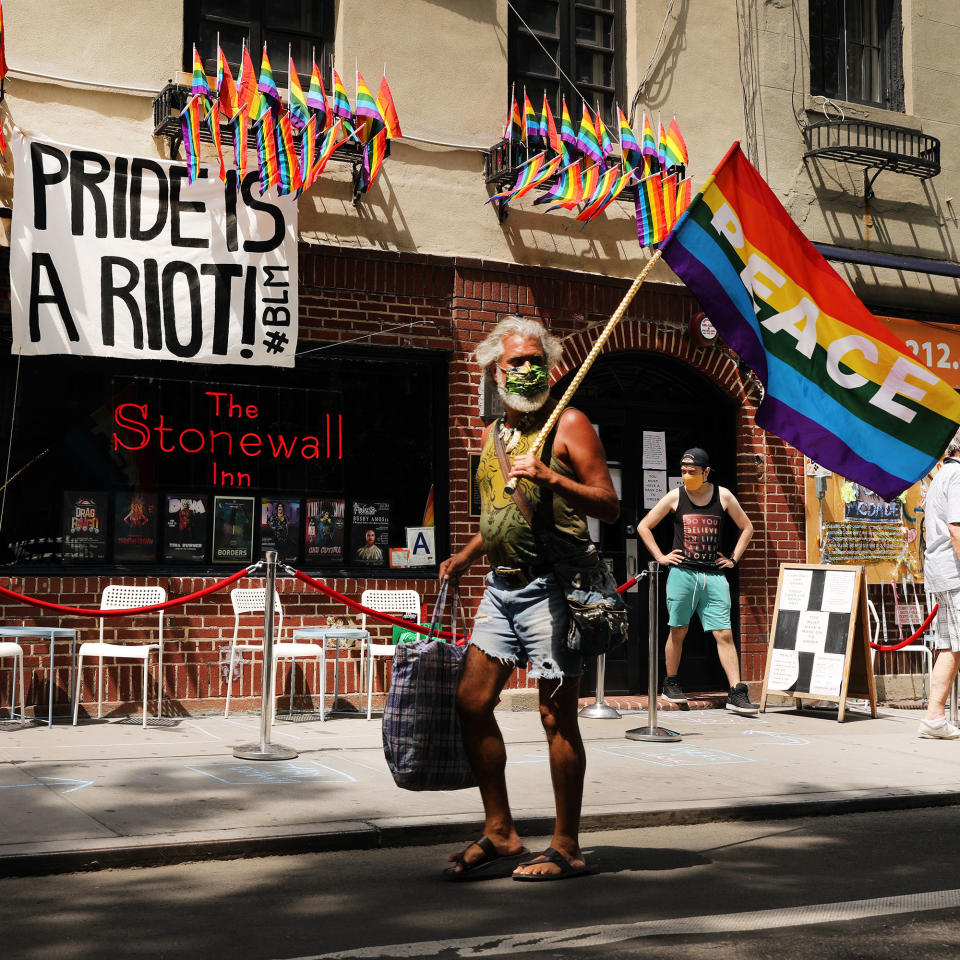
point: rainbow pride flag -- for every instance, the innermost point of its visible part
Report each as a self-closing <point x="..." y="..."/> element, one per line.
<point x="587" y="142"/>
<point x="373" y="154"/>
<point x="247" y="92"/>
<point x="651" y="218"/>
<point x="606" y="147"/>
<point x="266" y="84"/>
<point x="674" y="146"/>
<point x="618" y="187"/>
<point x="649" y="147"/>
<point x="630" y="150"/>
<point x="567" y="191"/>
<point x="548" y="126"/>
<point x="267" y="153"/>
<point x="336" y="135"/>
<point x="3" y="64"/>
<point x="604" y="186"/>
<point x="669" y="200"/>
<point x="308" y="154"/>
<point x="213" y="123"/>
<point x="368" y="109"/>
<point x="226" y="88"/>
<point x="190" y="119"/>
<point x="591" y="176"/>
<point x="238" y="127"/>
<point x="513" y="131"/>
<point x="838" y="385"/>
<point x="296" y="102"/>
<point x="287" y="158"/>
<point x="531" y="125"/>
<point x="661" y="145"/>
<point x="567" y="134"/>
<point x="317" y="96"/>
<point x="200" y="87"/>
<point x="341" y="104"/>
<point x="533" y="171"/>
<point x="388" y="109"/>
<point x="684" y="194"/>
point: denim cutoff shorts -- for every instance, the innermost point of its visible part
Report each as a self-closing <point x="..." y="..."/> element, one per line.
<point x="693" y="591"/>
<point x="521" y="625"/>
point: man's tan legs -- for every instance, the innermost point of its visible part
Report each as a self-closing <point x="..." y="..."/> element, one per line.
<point x="944" y="670"/>
<point x="727" y="652"/>
<point x="673" y="649"/>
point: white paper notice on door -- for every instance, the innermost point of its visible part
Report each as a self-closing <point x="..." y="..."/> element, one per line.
<point x="812" y="631"/>
<point x="838" y="591"/>
<point x="654" y="487"/>
<point x="654" y="450"/>
<point x="795" y="589"/>
<point x="827" y="674"/>
<point x="784" y="669"/>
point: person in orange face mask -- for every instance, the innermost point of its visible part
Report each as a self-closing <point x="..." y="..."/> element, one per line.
<point x="696" y="582"/>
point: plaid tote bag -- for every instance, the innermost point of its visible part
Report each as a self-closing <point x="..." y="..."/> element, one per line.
<point x="421" y="731"/>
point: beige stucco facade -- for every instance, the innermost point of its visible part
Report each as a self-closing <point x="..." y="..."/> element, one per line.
<point x="86" y="73"/>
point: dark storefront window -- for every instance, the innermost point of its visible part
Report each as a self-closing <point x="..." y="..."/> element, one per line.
<point x="178" y="466"/>
<point x="305" y="26"/>
<point x="856" y="51"/>
<point x="585" y="38"/>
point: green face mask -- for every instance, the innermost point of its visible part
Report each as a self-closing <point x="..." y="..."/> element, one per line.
<point x="526" y="381"/>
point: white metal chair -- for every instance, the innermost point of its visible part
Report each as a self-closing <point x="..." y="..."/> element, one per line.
<point x="117" y="597"/>
<point x="10" y="649"/>
<point x="922" y="647"/>
<point x="252" y="600"/>
<point x="383" y="601"/>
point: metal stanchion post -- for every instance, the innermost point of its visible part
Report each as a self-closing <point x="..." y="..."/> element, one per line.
<point x="265" y="750"/>
<point x="651" y="731"/>
<point x="598" y="710"/>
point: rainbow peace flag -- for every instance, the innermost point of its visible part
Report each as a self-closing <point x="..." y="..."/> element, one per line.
<point x="266" y="84"/>
<point x="531" y="125"/>
<point x="587" y="142"/>
<point x="674" y="146"/>
<point x="213" y="122"/>
<point x="287" y="158"/>
<point x="226" y="88"/>
<point x="341" y="105"/>
<point x="238" y="127"/>
<point x="567" y="133"/>
<point x="513" y="131"/>
<point x="317" y="96"/>
<point x="308" y="154"/>
<point x="373" y="154"/>
<point x="606" y="147"/>
<point x="200" y="86"/>
<point x="297" y="102"/>
<point x="567" y="191"/>
<point x="548" y="126"/>
<point x="651" y="218"/>
<point x="605" y="186"/>
<point x="267" y="153"/>
<point x="336" y="135"/>
<point x="388" y="109"/>
<point x="649" y="142"/>
<point x="838" y="385"/>
<point x="190" y="119"/>
<point x="629" y="148"/>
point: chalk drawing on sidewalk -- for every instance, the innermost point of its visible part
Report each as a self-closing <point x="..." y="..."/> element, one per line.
<point x="777" y="739"/>
<point x="50" y="782"/>
<point x="678" y="757"/>
<point x="245" y="774"/>
<point x="723" y="720"/>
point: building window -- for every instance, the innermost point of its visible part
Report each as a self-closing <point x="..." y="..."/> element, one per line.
<point x="585" y="37"/>
<point x="306" y="26"/>
<point x="856" y="51"/>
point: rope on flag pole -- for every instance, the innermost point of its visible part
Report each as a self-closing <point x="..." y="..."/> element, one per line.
<point x="587" y="363"/>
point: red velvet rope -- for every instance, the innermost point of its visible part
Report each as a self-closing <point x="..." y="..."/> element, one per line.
<point x="360" y="608"/>
<point x="888" y="648"/>
<point x="128" y="611"/>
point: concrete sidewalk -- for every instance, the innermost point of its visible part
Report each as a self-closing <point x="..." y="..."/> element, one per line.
<point x="110" y="793"/>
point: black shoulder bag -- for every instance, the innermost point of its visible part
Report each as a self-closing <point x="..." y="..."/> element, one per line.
<point x="598" y="615"/>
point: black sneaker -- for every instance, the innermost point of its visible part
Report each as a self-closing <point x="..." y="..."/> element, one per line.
<point x="739" y="702"/>
<point x="672" y="690"/>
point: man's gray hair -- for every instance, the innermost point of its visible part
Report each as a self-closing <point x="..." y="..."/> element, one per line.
<point x="491" y="349"/>
<point x="953" y="447"/>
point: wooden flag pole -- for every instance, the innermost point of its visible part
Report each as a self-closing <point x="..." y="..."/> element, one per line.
<point x="587" y="363"/>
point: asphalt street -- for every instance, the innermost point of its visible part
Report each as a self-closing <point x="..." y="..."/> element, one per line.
<point x="873" y="886"/>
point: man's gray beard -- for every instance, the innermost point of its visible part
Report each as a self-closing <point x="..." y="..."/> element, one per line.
<point x="522" y="404"/>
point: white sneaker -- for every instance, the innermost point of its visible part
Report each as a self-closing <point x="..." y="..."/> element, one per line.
<point x="946" y="731"/>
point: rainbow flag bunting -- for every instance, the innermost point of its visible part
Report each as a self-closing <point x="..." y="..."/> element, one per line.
<point x="247" y="92"/>
<point x="336" y="135"/>
<point x="567" y="133"/>
<point x="604" y="186"/>
<point x="531" y="125"/>
<point x="649" y="146"/>
<point x="3" y="65"/>
<point x="373" y="154"/>
<point x="651" y="219"/>
<point x="226" y="88"/>
<point x="213" y="123"/>
<point x="388" y="110"/>
<point x="238" y="126"/>
<point x="317" y="96"/>
<point x="567" y="190"/>
<point x="308" y="154"/>
<point x="513" y="132"/>
<point x="341" y="104"/>
<point x="674" y="146"/>
<point x="267" y="153"/>
<point x="838" y="385"/>
<point x="287" y="159"/>
<point x="266" y="84"/>
<point x="200" y="87"/>
<point x="587" y="142"/>
<point x="190" y="119"/>
<point x="684" y="193"/>
<point x="297" y="103"/>
<point x="603" y="138"/>
<point x="629" y="147"/>
<point x="548" y="126"/>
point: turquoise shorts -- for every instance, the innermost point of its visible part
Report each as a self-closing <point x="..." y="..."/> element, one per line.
<point x="692" y="592"/>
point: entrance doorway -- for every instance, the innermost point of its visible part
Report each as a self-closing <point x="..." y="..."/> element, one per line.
<point x="624" y="394"/>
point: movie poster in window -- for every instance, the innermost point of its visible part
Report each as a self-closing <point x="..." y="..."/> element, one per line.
<point x="370" y="532"/>
<point x="85" y="525"/>
<point x="233" y="530"/>
<point x="135" y="527"/>
<point x="280" y="527"/>
<point x="324" y="532"/>
<point x="186" y="524"/>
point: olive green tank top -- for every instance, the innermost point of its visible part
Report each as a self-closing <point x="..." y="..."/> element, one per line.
<point x="507" y="537"/>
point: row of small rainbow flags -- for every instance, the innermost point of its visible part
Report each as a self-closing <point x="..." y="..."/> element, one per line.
<point x="597" y="177"/>
<point x="324" y="122"/>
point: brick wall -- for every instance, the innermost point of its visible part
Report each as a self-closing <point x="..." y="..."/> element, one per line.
<point x="449" y="305"/>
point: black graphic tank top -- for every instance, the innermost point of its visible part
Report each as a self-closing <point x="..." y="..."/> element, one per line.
<point x="696" y="531"/>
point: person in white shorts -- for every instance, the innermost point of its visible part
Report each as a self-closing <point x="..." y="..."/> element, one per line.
<point x="941" y="576"/>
